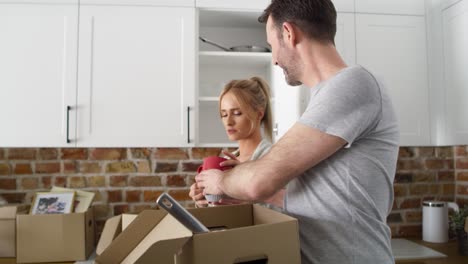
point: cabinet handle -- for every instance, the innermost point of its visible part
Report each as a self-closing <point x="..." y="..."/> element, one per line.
<point x="275" y="130"/>
<point x="68" y="123"/>
<point x="188" y="124"/>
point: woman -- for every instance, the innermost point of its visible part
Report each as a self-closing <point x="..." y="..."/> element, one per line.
<point x="244" y="107"/>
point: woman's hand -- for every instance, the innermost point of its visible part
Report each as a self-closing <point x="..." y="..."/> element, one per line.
<point x="232" y="161"/>
<point x="197" y="196"/>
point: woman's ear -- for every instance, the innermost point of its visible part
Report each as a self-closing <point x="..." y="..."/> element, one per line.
<point x="260" y="115"/>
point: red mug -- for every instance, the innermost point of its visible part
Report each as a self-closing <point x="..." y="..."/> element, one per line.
<point x="212" y="162"/>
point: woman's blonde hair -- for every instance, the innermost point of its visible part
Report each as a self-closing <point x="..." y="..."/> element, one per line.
<point x="253" y="95"/>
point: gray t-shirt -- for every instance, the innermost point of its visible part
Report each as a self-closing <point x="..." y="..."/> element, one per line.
<point x="342" y="203"/>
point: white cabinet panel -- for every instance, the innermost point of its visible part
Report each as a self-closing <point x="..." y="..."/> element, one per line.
<point x="38" y="67"/>
<point x="345" y="37"/>
<point x="394" y="47"/>
<point x="402" y="7"/>
<point x="259" y="5"/>
<point x="455" y="28"/>
<point x="136" y="76"/>
<point x="344" y="5"/>
<point x="172" y="3"/>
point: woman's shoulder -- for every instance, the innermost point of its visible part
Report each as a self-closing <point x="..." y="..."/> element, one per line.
<point x="262" y="148"/>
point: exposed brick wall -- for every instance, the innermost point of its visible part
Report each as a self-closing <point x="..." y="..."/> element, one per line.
<point x="130" y="180"/>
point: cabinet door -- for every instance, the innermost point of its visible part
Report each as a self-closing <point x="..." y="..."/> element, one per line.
<point x="38" y="74"/>
<point x="136" y="76"/>
<point x="345" y="40"/>
<point x="455" y="28"/>
<point x="394" y="47"/>
<point x="401" y="7"/>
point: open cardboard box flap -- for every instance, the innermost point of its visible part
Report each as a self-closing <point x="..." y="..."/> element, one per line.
<point x="152" y="232"/>
<point x="8" y="212"/>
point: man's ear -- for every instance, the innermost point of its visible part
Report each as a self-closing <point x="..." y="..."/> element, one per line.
<point x="290" y="33"/>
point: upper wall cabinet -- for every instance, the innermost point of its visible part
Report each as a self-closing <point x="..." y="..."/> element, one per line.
<point x="38" y="51"/>
<point x="394" y="47"/>
<point x="455" y="43"/>
<point x="258" y="5"/>
<point x="396" y="7"/>
<point x="171" y="3"/>
<point x="136" y="78"/>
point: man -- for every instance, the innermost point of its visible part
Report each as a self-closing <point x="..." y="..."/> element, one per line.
<point x="338" y="161"/>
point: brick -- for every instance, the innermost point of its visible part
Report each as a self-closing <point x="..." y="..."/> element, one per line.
<point x="90" y="167"/>
<point x="96" y="181"/>
<point x="114" y="196"/>
<point x="400" y="190"/>
<point x="60" y="181"/>
<point x="394" y="218"/>
<point x="413" y="216"/>
<point x="4" y="169"/>
<point x="77" y="182"/>
<point x="410" y="231"/>
<point x="42" y="168"/>
<point x="462" y="202"/>
<point x="69" y="167"/>
<point x="434" y="164"/>
<point x="121" y="167"/>
<point x="139" y="181"/>
<point x="435" y="189"/>
<point x="2" y="154"/>
<point x="101" y="211"/>
<point x="462" y="190"/>
<point x="426" y="152"/>
<point x="190" y="180"/>
<point x="394" y="231"/>
<point x="141" y="207"/>
<point x="48" y="153"/>
<point x="46" y="182"/>
<point x="418" y="189"/>
<point x="448" y="189"/>
<point x="445" y="152"/>
<point x="151" y="196"/>
<point x="74" y="154"/>
<point x="200" y="153"/>
<point x="109" y="154"/>
<point x="21" y="154"/>
<point x="180" y="195"/>
<point x="140" y="153"/>
<point x="118" y="181"/>
<point x="462" y="176"/>
<point x="14" y="198"/>
<point x="403" y="178"/>
<point x="410" y="203"/>
<point x="191" y="166"/>
<point x="424" y="176"/>
<point x="446" y="176"/>
<point x="410" y="165"/>
<point x="170" y="154"/>
<point x="461" y="151"/>
<point x="166" y="166"/>
<point x="395" y="205"/>
<point x="175" y="181"/>
<point x="7" y="184"/>
<point x="29" y="183"/>
<point x="121" y="209"/>
<point x="143" y="166"/>
<point x="133" y="196"/>
<point x="461" y="163"/>
<point x="449" y="164"/>
<point x="23" y="168"/>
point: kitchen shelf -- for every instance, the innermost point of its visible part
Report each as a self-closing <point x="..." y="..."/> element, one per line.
<point x="208" y="99"/>
<point x="235" y="58"/>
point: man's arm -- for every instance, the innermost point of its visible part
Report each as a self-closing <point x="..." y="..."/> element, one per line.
<point x="300" y="148"/>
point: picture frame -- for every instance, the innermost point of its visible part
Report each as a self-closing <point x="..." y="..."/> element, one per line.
<point x="83" y="199"/>
<point x="53" y="203"/>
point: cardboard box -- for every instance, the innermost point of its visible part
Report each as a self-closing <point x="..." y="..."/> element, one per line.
<point x="243" y="233"/>
<point x="54" y="237"/>
<point x="7" y="231"/>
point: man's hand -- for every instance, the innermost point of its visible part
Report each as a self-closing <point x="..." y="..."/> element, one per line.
<point x="210" y="181"/>
<point x="197" y="196"/>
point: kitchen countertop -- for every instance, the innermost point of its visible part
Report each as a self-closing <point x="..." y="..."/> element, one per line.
<point x="449" y="249"/>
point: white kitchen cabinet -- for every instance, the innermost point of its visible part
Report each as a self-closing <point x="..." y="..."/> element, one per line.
<point x="394" y="48"/>
<point x="455" y="43"/>
<point x="38" y="51"/>
<point x="395" y="7"/>
<point x="136" y="76"/>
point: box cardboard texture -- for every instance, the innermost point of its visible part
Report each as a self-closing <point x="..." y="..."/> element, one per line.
<point x="244" y="233"/>
<point x="7" y="231"/>
<point x="54" y="237"/>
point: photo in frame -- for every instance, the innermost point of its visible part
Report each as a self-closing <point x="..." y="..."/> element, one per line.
<point x="83" y="199"/>
<point x="53" y="203"/>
